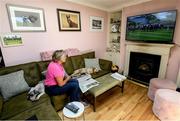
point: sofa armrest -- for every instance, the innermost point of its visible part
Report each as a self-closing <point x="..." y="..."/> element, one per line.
<point x="1" y="104"/>
<point x="105" y="64"/>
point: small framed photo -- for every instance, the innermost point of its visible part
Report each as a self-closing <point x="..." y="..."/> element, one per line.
<point x="10" y="40"/>
<point x="69" y="20"/>
<point x="96" y="23"/>
<point x="26" y="19"/>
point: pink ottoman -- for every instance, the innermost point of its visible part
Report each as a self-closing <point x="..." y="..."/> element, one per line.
<point x="167" y="105"/>
<point x="157" y="83"/>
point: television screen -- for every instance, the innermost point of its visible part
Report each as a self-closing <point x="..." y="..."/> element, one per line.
<point x="154" y="27"/>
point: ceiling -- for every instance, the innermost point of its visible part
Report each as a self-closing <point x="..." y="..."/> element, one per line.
<point x="108" y="5"/>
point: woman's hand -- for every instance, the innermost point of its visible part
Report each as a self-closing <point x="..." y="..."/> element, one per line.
<point x="61" y="81"/>
<point x="68" y="78"/>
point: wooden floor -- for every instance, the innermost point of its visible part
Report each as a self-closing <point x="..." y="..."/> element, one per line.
<point x="133" y="104"/>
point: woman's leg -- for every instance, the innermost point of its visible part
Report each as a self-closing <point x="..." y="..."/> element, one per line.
<point x="75" y="93"/>
<point x="71" y="88"/>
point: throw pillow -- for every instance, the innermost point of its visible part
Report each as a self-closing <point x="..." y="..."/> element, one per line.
<point x="92" y="63"/>
<point x="12" y="84"/>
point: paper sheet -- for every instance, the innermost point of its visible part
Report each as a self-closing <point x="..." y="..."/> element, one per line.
<point x="118" y="76"/>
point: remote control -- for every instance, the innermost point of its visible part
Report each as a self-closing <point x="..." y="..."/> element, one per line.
<point x="72" y="107"/>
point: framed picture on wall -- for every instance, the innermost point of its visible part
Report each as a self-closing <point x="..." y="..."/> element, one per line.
<point x="10" y="40"/>
<point x="69" y="20"/>
<point x="96" y="23"/>
<point x="26" y="19"/>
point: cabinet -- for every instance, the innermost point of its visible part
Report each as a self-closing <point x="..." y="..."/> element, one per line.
<point x="114" y="35"/>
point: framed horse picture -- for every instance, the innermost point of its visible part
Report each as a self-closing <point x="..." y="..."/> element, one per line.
<point x="69" y="20"/>
<point x="26" y="19"/>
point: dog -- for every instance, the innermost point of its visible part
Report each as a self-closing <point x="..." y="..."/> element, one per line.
<point x="36" y="92"/>
<point x="82" y="71"/>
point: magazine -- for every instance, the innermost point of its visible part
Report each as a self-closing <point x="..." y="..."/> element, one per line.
<point x="86" y="82"/>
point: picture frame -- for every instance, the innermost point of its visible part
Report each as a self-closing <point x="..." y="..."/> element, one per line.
<point x="96" y="24"/>
<point x="11" y="40"/>
<point x="69" y="20"/>
<point x="26" y="19"/>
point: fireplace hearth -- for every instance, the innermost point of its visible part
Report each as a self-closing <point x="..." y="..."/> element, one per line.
<point x="143" y="67"/>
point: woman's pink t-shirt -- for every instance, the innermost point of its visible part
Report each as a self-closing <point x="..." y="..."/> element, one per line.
<point x="54" y="70"/>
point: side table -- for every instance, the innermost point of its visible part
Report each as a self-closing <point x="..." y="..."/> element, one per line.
<point x="71" y="115"/>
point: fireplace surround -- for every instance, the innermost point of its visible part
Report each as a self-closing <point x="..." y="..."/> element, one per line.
<point x="159" y="50"/>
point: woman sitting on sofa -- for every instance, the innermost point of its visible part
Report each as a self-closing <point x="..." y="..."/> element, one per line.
<point x="57" y="81"/>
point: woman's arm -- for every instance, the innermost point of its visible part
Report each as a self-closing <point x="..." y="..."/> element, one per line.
<point x="61" y="81"/>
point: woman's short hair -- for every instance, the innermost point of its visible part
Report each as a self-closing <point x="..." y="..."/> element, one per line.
<point x="57" y="55"/>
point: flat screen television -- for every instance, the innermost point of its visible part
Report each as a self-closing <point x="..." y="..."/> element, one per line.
<point x="153" y="27"/>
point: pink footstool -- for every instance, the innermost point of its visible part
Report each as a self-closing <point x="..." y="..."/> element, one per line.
<point x="157" y="83"/>
<point x="167" y="105"/>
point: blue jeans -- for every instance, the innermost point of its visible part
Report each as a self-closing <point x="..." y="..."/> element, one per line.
<point x="71" y="88"/>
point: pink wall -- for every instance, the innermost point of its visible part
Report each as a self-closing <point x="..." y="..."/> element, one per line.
<point x="154" y="6"/>
<point x="35" y="42"/>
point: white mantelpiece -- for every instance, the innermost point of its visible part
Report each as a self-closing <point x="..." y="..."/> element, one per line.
<point x="157" y="49"/>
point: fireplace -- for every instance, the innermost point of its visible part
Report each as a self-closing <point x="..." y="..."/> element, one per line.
<point x="143" y="67"/>
<point x="152" y="52"/>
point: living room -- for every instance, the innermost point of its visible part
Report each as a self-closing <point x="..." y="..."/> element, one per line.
<point x="133" y="103"/>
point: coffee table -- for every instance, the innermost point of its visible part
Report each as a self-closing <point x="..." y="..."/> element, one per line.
<point x="71" y="115"/>
<point x="106" y="83"/>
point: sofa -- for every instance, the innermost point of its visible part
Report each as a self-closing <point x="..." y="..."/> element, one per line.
<point x="73" y="63"/>
<point x="19" y="108"/>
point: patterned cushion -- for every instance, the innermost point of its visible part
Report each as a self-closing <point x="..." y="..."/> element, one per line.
<point x="12" y="84"/>
<point x="47" y="55"/>
<point x="72" y="52"/>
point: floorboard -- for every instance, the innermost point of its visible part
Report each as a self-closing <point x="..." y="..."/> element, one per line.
<point x="133" y="104"/>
